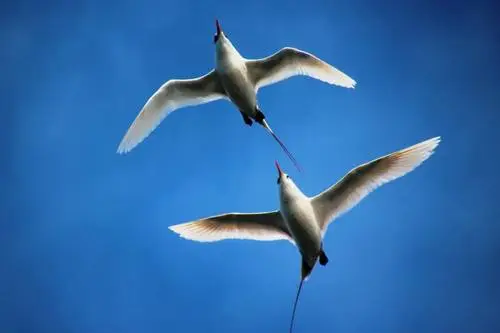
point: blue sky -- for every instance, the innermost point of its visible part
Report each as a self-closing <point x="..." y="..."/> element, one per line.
<point x="84" y="232"/>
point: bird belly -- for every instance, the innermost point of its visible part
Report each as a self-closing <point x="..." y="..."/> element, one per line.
<point x="239" y="90"/>
<point x="299" y="217"/>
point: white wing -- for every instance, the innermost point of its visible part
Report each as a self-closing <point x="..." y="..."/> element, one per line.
<point x="266" y="226"/>
<point x="289" y="62"/>
<point x="172" y="95"/>
<point x="362" y="180"/>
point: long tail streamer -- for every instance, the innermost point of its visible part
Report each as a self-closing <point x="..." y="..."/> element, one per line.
<point x="287" y="152"/>
<point x="295" y="304"/>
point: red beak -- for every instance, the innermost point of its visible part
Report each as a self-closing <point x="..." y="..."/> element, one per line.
<point x="217" y="25"/>
<point x="278" y="167"/>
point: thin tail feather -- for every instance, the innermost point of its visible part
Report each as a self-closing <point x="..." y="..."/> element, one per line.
<point x="306" y="270"/>
<point x="295" y="304"/>
<point x="287" y="152"/>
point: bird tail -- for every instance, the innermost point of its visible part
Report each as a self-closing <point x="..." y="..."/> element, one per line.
<point x="306" y="270"/>
<point x="264" y="124"/>
<point x="295" y="304"/>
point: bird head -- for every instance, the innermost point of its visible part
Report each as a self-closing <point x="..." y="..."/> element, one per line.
<point x="288" y="190"/>
<point x="283" y="178"/>
<point x="219" y="33"/>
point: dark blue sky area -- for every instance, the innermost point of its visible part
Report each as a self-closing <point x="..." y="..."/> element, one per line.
<point x="84" y="239"/>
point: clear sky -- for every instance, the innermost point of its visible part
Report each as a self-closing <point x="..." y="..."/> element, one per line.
<point x="84" y="239"/>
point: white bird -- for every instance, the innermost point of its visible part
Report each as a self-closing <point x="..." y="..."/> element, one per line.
<point x="234" y="78"/>
<point x="303" y="220"/>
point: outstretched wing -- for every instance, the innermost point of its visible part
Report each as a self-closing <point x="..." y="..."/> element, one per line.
<point x="289" y="62"/>
<point x="266" y="226"/>
<point x="362" y="180"/>
<point x="172" y="95"/>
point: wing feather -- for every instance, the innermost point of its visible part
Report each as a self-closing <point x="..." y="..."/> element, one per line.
<point x="172" y="95"/>
<point x="362" y="180"/>
<point x="267" y="226"/>
<point x="289" y="62"/>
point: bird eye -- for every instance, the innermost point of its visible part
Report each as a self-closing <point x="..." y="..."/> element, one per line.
<point x="287" y="176"/>
<point x="216" y="37"/>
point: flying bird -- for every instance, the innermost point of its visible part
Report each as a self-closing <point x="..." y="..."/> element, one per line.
<point x="303" y="220"/>
<point x="234" y="78"/>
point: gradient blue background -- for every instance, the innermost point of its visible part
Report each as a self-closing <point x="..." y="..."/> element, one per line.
<point x="84" y="238"/>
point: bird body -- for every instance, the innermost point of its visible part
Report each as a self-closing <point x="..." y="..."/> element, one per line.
<point x="298" y="214"/>
<point x="303" y="220"/>
<point x="234" y="78"/>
